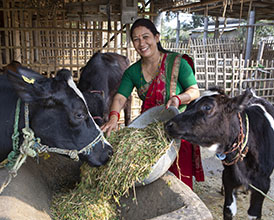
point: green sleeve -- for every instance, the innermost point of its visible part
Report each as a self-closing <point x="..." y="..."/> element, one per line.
<point x="186" y="76"/>
<point x="130" y="79"/>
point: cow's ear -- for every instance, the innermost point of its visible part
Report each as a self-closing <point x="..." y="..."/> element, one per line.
<point x="239" y="103"/>
<point x="30" y="86"/>
<point x="63" y="75"/>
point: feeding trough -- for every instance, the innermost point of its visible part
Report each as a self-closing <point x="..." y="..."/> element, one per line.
<point x="152" y="115"/>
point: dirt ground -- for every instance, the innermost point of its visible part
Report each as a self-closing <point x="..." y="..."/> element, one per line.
<point x="209" y="191"/>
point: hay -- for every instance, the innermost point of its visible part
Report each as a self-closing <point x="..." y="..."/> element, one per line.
<point x="135" y="152"/>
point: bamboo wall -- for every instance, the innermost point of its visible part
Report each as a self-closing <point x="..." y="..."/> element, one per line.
<point x="210" y="46"/>
<point x="234" y="76"/>
<point x="47" y="40"/>
<point x="221" y="63"/>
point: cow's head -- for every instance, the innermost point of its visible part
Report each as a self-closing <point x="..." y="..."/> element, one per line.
<point x="59" y="113"/>
<point x="209" y="121"/>
<point x="103" y="72"/>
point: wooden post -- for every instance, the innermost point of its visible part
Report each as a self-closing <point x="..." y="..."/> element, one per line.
<point x="178" y="30"/>
<point x="240" y="74"/>
<point x="206" y="71"/>
<point x="205" y="25"/>
<point x="16" y="37"/>
<point x="128" y="40"/>
<point x="2" y="39"/>
<point x="194" y="60"/>
<point x="233" y="76"/>
<point x="30" y="36"/>
<point x="115" y="37"/>
<point x="216" y="69"/>
<point x="216" y="32"/>
<point x="55" y="43"/>
<point x="35" y="39"/>
<point x="261" y="50"/>
<point x="224" y="72"/>
<point x="7" y="24"/>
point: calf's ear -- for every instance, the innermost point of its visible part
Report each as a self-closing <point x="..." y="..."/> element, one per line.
<point x="239" y="103"/>
<point x="30" y="86"/>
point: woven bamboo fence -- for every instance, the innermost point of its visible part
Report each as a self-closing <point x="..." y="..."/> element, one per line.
<point x="221" y="63"/>
<point x="267" y="51"/>
<point x="234" y="76"/>
<point x="210" y="46"/>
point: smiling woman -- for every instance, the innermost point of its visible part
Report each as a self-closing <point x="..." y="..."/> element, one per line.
<point x="161" y="77"/>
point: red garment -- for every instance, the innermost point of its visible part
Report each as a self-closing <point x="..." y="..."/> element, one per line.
<point x="188" y="164"/>
<point x="189" y="158"/>
<point x="156" y="92"/>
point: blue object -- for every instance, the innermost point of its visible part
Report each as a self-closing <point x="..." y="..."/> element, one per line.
<point x="221" y="156"/>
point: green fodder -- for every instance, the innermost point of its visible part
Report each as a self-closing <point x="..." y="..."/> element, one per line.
<point x="135" y="151"/>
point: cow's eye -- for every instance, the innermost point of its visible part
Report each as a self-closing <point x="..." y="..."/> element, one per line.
<point x="80" y="116"/>
<point x="206" y="107"/>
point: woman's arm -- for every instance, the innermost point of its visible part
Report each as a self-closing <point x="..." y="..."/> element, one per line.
<point x="117" y="105"/>
<point x="186" y="97"/>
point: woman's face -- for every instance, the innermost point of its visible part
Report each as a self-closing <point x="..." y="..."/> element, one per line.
<point x="144" y="42"/>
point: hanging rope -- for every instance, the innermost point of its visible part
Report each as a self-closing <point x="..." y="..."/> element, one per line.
<point x="260" y="191"/>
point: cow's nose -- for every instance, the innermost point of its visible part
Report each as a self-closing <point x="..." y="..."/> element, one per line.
<point x="110" y="152"/>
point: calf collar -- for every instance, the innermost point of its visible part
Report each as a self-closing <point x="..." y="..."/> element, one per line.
<point x="239" y="145"/>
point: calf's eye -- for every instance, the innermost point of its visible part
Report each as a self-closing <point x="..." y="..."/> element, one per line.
<point x="206" y="107"/>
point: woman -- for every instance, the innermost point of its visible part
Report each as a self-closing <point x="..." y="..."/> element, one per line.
<point x="161" y="77"/>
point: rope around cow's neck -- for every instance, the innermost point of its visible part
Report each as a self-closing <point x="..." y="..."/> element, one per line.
<point x="11" y="160"/>
<point x="32" y="146"/>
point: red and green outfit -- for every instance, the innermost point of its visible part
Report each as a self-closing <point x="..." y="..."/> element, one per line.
<point x="173" y="77"/>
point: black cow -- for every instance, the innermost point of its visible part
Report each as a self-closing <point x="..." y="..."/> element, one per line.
<point x="241" y="131"/>
<point x="102" y="74"/>
<point x="58" y="115"/>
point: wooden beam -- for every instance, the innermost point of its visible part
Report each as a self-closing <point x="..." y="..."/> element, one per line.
<point x="196" y="4"/>
<point x="200" y="4"/>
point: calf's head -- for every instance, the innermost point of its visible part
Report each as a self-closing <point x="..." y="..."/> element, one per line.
<point x="59" y="114"/>
<point x="209" y="121"/>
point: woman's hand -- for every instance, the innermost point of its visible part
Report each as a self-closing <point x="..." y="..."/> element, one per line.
<point x="111" y="125"/>
<point x="117" y="104"/>
<point x="189" y="95"/>
<point x="173" y="101"/>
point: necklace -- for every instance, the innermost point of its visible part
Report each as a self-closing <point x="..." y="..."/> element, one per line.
<point x="154" y="72"/>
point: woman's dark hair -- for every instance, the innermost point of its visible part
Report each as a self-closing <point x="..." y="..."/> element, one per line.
<point x="149" y="25"/>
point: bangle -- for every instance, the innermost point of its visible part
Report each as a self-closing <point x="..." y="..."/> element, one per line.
<point x="180" y="102"/>
<point x="114" y="113"/>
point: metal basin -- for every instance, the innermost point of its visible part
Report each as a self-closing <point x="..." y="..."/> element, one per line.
<point x="158" y="114"/>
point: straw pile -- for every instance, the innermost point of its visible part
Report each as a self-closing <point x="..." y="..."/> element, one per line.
<point x="135" y="152"/>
